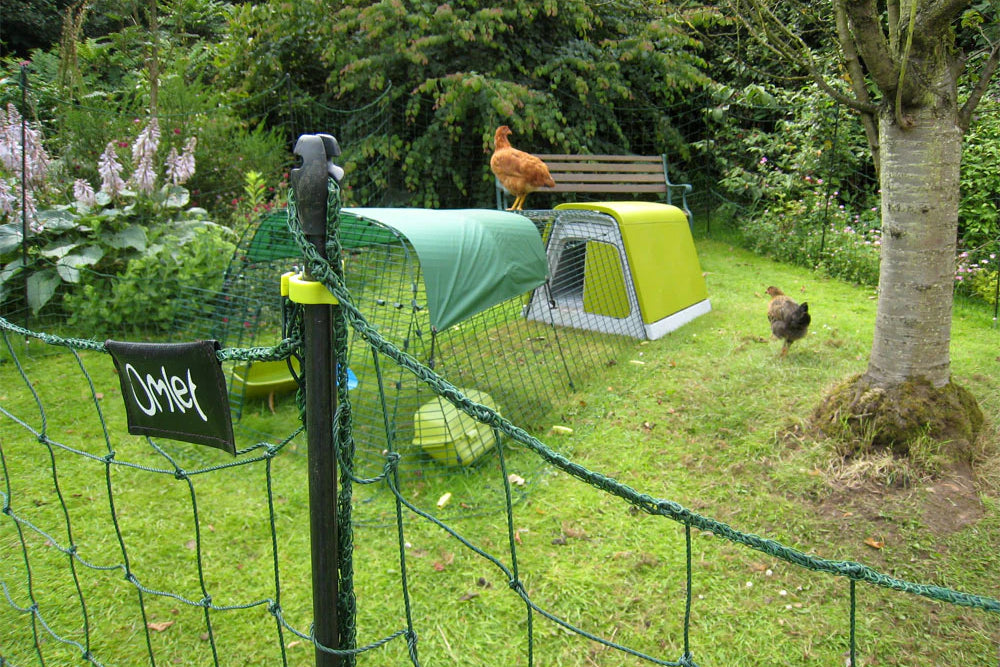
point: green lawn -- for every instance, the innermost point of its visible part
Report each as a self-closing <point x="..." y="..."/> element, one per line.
<point x="707" y="417"/>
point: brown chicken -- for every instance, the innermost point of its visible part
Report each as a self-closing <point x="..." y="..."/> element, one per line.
<point x="519" y="173"/>
<point x="789" y="320"/>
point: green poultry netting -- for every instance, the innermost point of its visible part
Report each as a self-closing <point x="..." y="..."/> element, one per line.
<point x="450" y="288"/>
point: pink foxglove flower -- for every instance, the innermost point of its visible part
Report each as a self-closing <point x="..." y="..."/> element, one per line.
<point x="110" y="170"/>
<point x="7" y="198"/>
<point x="144" y="176"/>
<point x="146" y="143"/>
<point x="181" y="167"/>
<point x="187" y="158"/>
<point x="83" y="193"/>
<point x="172" y="167"/>
<point x="17" y="138"/>
<point x="10" y="138"/>
<point x="176" y="172"/>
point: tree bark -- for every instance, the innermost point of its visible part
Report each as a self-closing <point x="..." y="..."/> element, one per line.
<point x="920" y="190"/>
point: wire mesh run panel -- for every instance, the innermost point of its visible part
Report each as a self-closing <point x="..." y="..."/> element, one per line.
<point x="490" y="351"/>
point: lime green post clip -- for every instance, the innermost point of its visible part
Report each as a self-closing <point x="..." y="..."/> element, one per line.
<point x="300" y="290"/>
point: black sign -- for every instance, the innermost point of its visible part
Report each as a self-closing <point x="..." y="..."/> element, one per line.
<point x="176" y="391"/>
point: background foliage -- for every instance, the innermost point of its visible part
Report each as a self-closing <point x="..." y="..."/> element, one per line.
<point x="414" y="91"/>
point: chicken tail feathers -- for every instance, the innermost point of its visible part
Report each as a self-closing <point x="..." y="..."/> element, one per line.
<point x="800" y="319"/>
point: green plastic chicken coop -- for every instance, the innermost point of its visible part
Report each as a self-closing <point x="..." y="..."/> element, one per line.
<point x="628" y="268"/>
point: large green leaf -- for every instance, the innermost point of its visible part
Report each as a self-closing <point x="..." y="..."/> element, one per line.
<point x="41" y="287"/>
<point x="56" y="219"/>
<point x="10" y="270"/>
<point x="59" y="249"/>
<point x="177" y="197"/>
<point x="131" y="237"/>
<point x="69" y="266"/>
<point x="10" y="238"/>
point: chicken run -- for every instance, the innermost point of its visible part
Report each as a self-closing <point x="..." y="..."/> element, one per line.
<point x="473" y="295"/>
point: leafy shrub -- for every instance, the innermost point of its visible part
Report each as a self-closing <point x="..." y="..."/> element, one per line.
<point x="815" y="228"/>
<point x="146" y="296"/>
<point x="979" y="207"/>
<point x="120" y="250"/>
<point x="976" y="276"/>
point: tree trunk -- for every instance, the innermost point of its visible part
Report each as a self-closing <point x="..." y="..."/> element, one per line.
<point x="906" y="394"/>
<point x="920" y="190"/>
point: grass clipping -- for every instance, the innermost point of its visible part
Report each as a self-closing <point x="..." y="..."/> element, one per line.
<point x="902" y="420"/>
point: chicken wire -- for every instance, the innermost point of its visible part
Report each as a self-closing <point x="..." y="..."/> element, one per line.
<point x="523" y="366"/>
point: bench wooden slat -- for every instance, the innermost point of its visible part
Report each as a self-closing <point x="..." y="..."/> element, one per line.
<point x="605" y="187"/>
<point x="575" y="177"/>
<point x="588" y="167"/>
<point x="602" y="158"/>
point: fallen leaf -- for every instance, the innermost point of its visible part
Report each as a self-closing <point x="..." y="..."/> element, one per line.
<point x="439" y="566"/>
<point x="159" y="627"/>
<point x="515" y="479"/>
<point x="293" y="644"/>
<point x="191" y="544"/>
<point x="873" y="543"/>
<point x="561" y="429"/>
<point x="443" y="500"/>
<point x="468" y="596"/>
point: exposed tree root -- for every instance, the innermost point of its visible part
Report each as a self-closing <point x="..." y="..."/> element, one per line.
<point x="902" y="419"/>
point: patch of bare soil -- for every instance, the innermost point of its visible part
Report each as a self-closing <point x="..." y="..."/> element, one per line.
<point x="952" y="503"/>
<point x="942" y="506"/>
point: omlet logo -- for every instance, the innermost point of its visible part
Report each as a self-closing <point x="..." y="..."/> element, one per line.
<point x="175" y="390"/>
<point x="156" y="395"/>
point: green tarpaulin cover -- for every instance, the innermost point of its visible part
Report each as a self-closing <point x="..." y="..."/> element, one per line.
<point x="470" y="259"/>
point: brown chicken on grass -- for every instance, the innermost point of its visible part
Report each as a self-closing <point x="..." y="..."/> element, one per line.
<point x="789" y="320"/>
<point x="519" y="173"/>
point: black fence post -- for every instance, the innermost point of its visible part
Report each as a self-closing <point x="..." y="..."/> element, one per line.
<point x="25" y="227"/>
<point x="310" y="183"/>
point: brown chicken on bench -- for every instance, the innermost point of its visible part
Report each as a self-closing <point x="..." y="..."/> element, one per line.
<point x="519" y="173"/>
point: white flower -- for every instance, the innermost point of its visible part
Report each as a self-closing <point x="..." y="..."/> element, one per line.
<point x="144" y="177"/>
<point x="173" y="166"/>
<point x="181" y="167"/>
<point x="36" y="159"/>
<point x="110" y="170"/>
<point x="83" y="193"/>
<point x="7" y="198"/>
<point x="10" y="138"/>
<point x="146" y="143"/>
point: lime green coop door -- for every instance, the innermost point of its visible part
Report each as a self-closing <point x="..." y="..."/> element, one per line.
<point x="604" y="291"/>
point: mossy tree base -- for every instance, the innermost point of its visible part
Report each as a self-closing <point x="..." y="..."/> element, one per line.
<point x="869" y="419"/>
